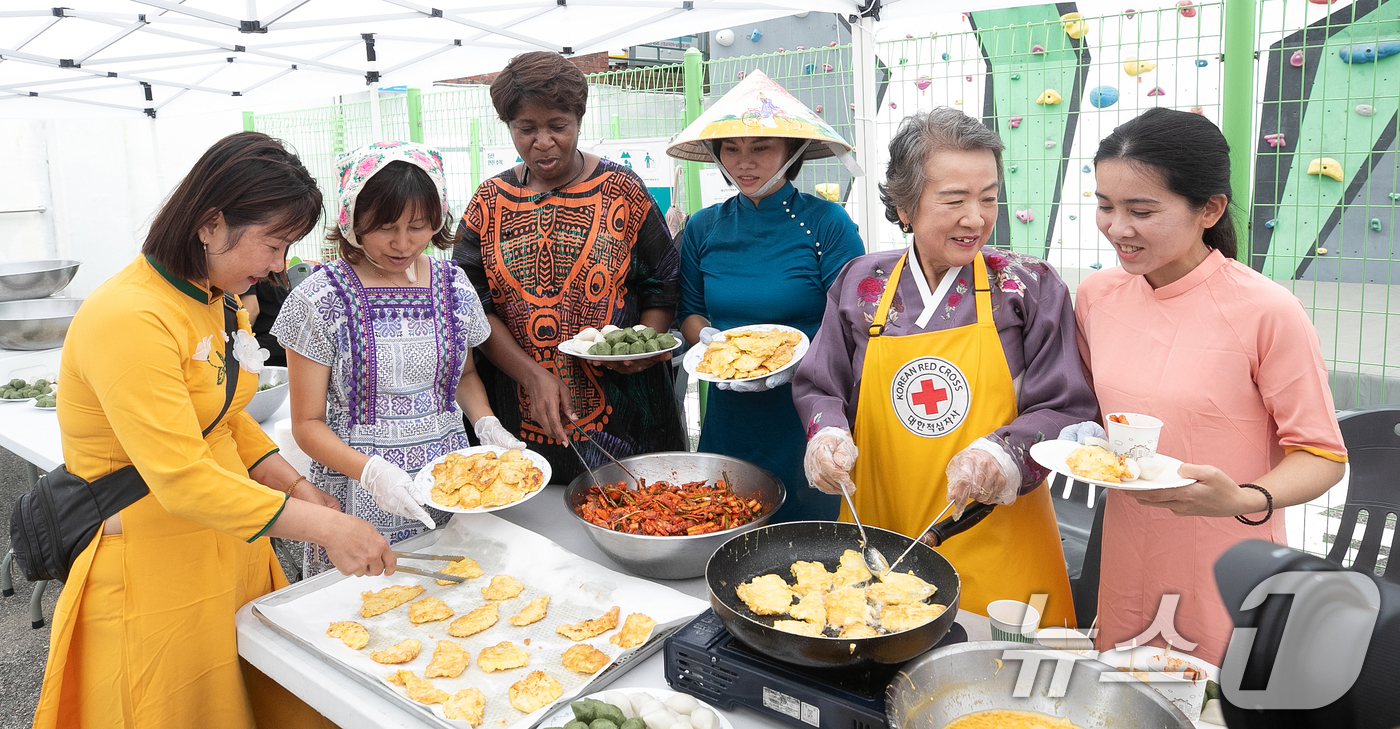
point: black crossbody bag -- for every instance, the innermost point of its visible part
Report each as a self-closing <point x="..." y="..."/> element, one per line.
<point x="55" y="521"/>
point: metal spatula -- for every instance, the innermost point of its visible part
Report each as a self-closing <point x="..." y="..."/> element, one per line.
<point x="874" y="561"/>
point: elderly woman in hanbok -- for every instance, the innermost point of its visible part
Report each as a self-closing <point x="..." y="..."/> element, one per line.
<point x="379" y="346"/>
<point x="942" y="381"/>
<point x="1226" y="358"/>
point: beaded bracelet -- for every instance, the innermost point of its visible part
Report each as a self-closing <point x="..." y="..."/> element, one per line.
<point x="1268" y="496"/>
<point x="293" y="485"/>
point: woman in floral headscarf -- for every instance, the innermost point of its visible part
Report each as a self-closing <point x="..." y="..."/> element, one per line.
<point x="379" y="345"/>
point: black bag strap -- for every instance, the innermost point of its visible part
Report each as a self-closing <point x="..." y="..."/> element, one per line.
<point x="231" y="367"/>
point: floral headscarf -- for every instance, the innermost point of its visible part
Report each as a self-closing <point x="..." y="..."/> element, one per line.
<point x="357" y="167"/>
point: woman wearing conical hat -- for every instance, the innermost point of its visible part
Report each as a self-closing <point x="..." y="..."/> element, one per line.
<point x="765" y="256"/>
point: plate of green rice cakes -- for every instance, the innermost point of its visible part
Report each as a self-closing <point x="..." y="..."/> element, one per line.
<point x="615" y="344"/>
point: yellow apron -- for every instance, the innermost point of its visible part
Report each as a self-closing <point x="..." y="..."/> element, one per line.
<point x="924" y="398"/>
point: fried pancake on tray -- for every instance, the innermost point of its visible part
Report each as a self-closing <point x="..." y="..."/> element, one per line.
<point x="404" y="652"/>
<point x="800" y="627"/>
<point x="428" y="610"/>
<point x="502" y="656"/>
<point x="350" y="633"/>
<point x="449" y="660"/>
<point x="502" y="587"/>
<point x="467" y="705"/>
<point x="536" y="690"/>
<point x="846" y="606"/>
<point x="475" y="621"/>
<point x="635" y="630"/>
<point x="387" y="599"/>
<point x="859" y="630"/>
<point x="811" y="577"/>
<point x="852" y="570"/>
<point x="811" y="607"/>
<point x="419" y="689"/>
<point x="532" y="613"/>
<point x="589" y="628"/>
<point x="584" y="658"/>
<point x="464" y="567"/>
<point x="903" y="617"/>
<point x="766" y="595"/>
<point x="899" y="588"/>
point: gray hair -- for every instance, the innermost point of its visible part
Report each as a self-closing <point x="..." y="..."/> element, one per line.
<point x="920" y="136"/>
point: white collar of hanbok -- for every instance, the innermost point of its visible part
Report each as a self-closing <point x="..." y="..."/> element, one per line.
<point x="931" y="299"/>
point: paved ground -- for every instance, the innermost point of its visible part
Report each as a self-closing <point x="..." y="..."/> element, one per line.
<point x="23" y="650"/>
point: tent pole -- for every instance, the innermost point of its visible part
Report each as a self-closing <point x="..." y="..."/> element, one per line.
<point x="1237" y="113"/>
<point x="868" y="205"/>
<point x="693" y="80"/>
<point x="374" y="120"/>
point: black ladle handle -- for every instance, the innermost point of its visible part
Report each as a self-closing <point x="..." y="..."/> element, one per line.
<point x="970" y="518"/>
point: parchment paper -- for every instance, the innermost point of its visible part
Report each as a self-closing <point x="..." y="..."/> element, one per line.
<point x="578" y="589"/>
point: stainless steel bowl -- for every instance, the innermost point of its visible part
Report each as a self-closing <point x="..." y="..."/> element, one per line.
<point x="36" y="323"/>
<point x="35" y="279"/>
<point x="676" y="558"/>
<point x="961" y="679"/>
<point x="265" y="403"/>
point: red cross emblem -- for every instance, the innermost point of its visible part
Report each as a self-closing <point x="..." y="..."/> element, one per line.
<point x="929" y="397"/>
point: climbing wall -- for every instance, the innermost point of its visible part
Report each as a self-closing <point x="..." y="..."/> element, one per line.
<point x="1325" y="192"/>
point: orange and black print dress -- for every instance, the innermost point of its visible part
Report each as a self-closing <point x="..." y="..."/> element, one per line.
<point x="551" y="264"/>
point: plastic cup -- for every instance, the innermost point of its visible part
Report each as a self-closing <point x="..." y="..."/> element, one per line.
<point x="1135" y="439"/>
<point x="1013" y="620"/>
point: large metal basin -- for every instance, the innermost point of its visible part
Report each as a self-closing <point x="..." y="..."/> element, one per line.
<point x="961" y="679"/>
<point x="676" y="558"/>
<point x="36" y="323"/>
<point x="35" y="279"/>
<point x="266" y="402"/>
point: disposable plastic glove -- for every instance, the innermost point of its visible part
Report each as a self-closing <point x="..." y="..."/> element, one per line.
<point x="707" y="334"/>
<point x="984" y="472"/>
<point x="393" y="490"/>
<point x="490" y="431"/>
<point x="767" y="383"/>
<point x="1079" y="431"/>
<point x="830" y="455"/>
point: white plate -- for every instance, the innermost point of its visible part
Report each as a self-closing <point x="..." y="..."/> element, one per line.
<point x="1052" y="453"/>
<point x="36" y="407"/>
<point x="567" y="347"/>
<point x="565" y="714"/>
<point x="694" y="356"/>
<point x="23" y="399"/>
<point x="424" y="480"/>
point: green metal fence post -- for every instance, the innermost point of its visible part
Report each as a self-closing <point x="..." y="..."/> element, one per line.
<point x="415" y="116"/>
<point x="1237" y="110"/>
<point x="248" y="122"/>
<point x="693" y="73"/>
<point x="474" y="152"/>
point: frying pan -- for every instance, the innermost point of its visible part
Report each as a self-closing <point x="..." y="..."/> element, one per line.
<point x="775" y="547"/>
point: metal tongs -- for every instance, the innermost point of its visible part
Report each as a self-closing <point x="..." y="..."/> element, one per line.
<point x="605" y="452"/>
<point x="429" y="573"/>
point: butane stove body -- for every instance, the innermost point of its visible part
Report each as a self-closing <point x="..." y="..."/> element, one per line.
<point x="704" y="660"/>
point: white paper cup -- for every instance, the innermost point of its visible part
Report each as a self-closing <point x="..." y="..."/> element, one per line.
<point x="1137" y="439"/>
<point x="1013" y="620"/>
<point x="1066" y="639"/>
<point x="1178" y="677"/>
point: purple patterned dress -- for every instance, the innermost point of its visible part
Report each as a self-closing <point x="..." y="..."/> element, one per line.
<point x="395" y="356"/>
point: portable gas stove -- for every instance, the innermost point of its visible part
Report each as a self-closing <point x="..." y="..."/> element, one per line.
<point x="704" y="660"/>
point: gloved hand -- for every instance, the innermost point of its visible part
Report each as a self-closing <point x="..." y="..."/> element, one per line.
<point x="393" y="490"/>
<point x="490" y="431"/>
<point x="830" y="455"/>
<point x="767" y="383"/>
<point x="1079" y="431"/>
<point x="707" y="335"/>
<point x="984" y="472"/>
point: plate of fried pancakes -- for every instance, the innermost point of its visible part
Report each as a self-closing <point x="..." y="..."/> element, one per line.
<point x="747" y="353"/>
<point x="482" y="479"/>
<point x="1099" y="466"/>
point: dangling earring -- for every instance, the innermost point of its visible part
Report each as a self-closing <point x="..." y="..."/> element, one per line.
<point x="907" y="228"/>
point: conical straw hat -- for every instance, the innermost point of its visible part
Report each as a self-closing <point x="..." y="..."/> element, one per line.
<point x="759" y="107"/>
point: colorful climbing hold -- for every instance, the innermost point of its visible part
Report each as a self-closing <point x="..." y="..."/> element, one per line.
<point x="903" y="60"/>
<point x="1133" y="66"/>
<point x="1376" y="224"/>
<point x="957" y="102"/>
<point x="1129" y="13"/>
<point x="1049" y="97"/>
<point x="1197" y="110"/>
<point x="1276" y="140"/>
<point x="1322" y="251"/>
<point x="1102" y="97"/>
<point x="1049" y="144"/>
<point x="922" y="83"/>
<point x="969" y="78"/>
<point x="740" y="75"/>
<point x="832" y="44"/>
<point x="819" y="108"/>
<point x="1071" y="217"/>
<point x="1014" y="121"/>
<point x="945" y="56"/>
<point x="782" y="49"/>
<point x="755" y="35"/>
<point x="801" y="48"/>
<point x="894" y="105"/>
<point x="1270" y="223"/>
<point x="1327" y="167"/>
<point x="1365" y="109"/>
<point x="1015" y="77"/>
<point x="1188" y="8"/>
<point x="1201" y="63"/>
<point x="908" y="35"/>
<point x="1156" y="91"/>
<point x="1025" y="216"/>
<point x="1369" y="52"/>
<point x="1320" y="2"/>
<point x="1096" y="265"/>
<point x="1012" y="168"/>
<point x="1395" y="197"/>
<point x="1037" y="49"/>
<point x="1088" y="169"/>
<point x="1087" y="193"/>
<point x="809" y="69"/>
<point x="828" y="67"/>
<point x="1296" y="60"/>
<point x="1074" y="27"/>
<point x="853" y="106"/>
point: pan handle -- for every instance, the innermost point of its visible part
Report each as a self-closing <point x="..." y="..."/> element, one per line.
<point x="948" y="527"/>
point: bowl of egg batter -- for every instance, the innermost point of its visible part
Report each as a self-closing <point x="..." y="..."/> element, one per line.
<point x="974" y="686"/>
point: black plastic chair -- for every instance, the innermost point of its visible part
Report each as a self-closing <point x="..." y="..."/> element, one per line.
<point x="1372" y="437"/>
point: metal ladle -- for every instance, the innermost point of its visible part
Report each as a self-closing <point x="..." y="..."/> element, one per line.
<point x="874" y="561"/>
